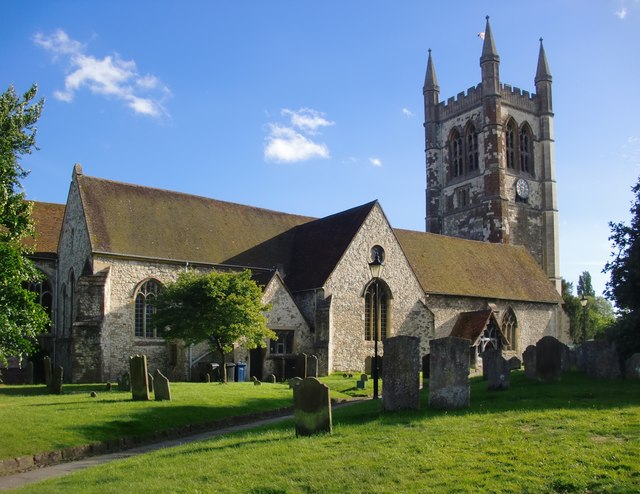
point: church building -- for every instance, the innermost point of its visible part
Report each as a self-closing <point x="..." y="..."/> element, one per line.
<point x="487" y="266"/>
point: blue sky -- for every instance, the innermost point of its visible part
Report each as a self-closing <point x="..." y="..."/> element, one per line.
<point x="312" y="107"/>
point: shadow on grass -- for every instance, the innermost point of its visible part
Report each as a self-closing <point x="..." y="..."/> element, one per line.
<point x="41" y="389"/>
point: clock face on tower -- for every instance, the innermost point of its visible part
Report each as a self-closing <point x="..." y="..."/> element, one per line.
<point x="522" y="189"/>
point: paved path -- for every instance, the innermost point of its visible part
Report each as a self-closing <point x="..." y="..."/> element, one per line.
<point x="32" y="476"/>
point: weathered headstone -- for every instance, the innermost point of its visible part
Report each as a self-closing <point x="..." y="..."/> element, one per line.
<point x="124" y="383"/>
<point x="108" y="386"/>
<point x="496" y="369"/>
<point x="402" y="375"/>
<point x="255" y="380"/>
<point x="162" y="386"/>
<point x="207" y="378"/>
<point x="364" y="377"/>
<point x="529" y="358"/>
<point x="632" y="367"/>
<point x="271" y="378"/>
<point x="46" y="362"/>
<point x="231" y="372"/>
<point x="312" y="407"/>
<point x="449" y="373"/>
<point x="602" y="360"/>
<point x="361" y="384"/>
<point x="295" y="382"/>
<point x="55" y="386"/>
<point x="549" y="359"/>
<point x="28" y="378"/>
<point x="150" y="382"/>
<point x="368" y="364"/>
<point x="139" y="377"/>
<point x="565" y="358"/>
<point x="515" y="363"/>
<point x="312" y="366"/>
<point x="301" y="365"/>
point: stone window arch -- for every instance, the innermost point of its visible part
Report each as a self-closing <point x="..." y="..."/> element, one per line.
<point x="456" y="154"/>
<point x="526" y="149"/>
<point x="145" y="308"/>
<point x="44" y="296"/>
<point x="471" y="148"/>
<point x="384" y="310"/>
<point x="510" y="329"/>
<point x="511" y="144"/>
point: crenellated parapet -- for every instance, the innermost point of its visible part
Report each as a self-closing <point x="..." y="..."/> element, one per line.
<point x="461" y="103"/>
<point x="519" y="98"/>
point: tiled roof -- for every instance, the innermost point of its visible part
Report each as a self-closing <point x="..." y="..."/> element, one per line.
<point x="142" y="221"/>
<point x="47" y="219"/>
<point x="470" y="325"/>
<point x="453" y="266"/>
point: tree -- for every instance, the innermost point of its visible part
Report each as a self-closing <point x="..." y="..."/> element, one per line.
<point x="585" y="289"/>
<point x="624" y="285"/>
<point x="21" y="317"/>
<point x="572" y="308"/>
<point x="220" y="308"/>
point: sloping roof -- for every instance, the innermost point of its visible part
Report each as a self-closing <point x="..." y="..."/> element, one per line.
<point x="319" y="245"/>
<point x="142" y="221"/>
<point x="47" y="220"/>
<point x="470" y="325"/>
<point x="453" y="266"/>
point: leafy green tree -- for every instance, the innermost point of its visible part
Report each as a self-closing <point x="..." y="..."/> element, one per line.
<point x="220" y="308"/>
<point x="585" y="289"/>
<point x="21" y="317"/>
<point x="624" y="286"/>
<point x="572" y="308"/>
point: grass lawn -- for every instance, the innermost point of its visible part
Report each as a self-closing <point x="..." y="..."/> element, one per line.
<point x="35" y="422"/>
<point x="573" y="436"/>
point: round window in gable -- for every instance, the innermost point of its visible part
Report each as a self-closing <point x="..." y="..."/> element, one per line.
<point x="377" y="252"/>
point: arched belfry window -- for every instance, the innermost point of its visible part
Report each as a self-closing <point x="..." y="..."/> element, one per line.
<point x="471" y="148"/>
<point x="510" y="329"/>
<point x="145" y="309"/>
<point x="511" y="133"/>
<point x="526" y="149"/>
<point x="456" y="154"/>
<point x="369" y="312"/>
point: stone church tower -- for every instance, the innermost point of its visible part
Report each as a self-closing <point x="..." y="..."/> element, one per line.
<point x="490" y="163"/>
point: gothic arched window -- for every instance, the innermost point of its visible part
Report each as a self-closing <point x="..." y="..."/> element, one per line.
<point x="145" y="309"/>
<point x="456" y="154"/>
<point x="510" y="328"/>
<point x="44" y="296"/>
<point x="510" y="137"/>
<point x="369" y="312"/>
<point x="526" y="149"/>
<point x="471" y="142"/>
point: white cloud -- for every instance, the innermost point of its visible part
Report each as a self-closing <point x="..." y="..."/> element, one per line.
<point x="375" y="161"/>
<point x="292" y="143"/>
<point x="109" y="76"/>
<point x="285" y="145"/>
<point x="621" y="13"/>
<point x="407" y="113"/>
<point x="307" y="119"/>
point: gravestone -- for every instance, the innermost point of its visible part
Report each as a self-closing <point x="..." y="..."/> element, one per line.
<point x="602" y="360"/>
<point x="108" y="386"/>
<point x="361" y="384"/>
<point x="46" y="362"/>
<point x="425" y="366"/>
<point x="515" y="363"/>
<point x="255" y="380"/>
<point x="632" y="367"/>
<point x="548" y="359"/>
<point x="139" y="377"/>
<point x="162" y="386"/>
<point x="529" y="358"/>
<point x="368" y="364"/>
<point x="207" y="378"/>
<point x="231" y="372"/>
<point x="364" y="377"/>
<point x="496" y="369"/>
<point x="124" y="383"/>
<point x="301" y="366"/>
<point x="28" y="379"/>
<point x="402" y="375"/>
<point x="449" y="373"/>
<point x="55" y="385"/>
<point x="312" y="407"/>
<point x="150" y="382"/>
<point x="271" y="378"/>
<point x="312" y="366"/>
<point x="294" y="382"/>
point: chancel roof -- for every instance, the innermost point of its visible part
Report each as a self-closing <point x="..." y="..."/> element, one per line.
<point x="453" y="266"/>
<point x="47" y="220"/>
